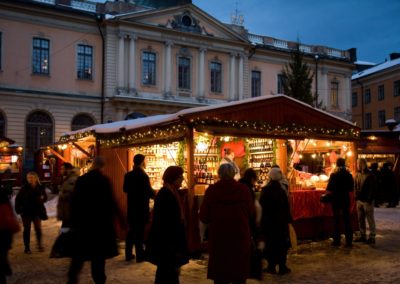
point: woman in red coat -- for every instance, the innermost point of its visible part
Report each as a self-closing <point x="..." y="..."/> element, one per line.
<point x="227" y="209"/>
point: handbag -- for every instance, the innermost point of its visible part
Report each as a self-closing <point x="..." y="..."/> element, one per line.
<point x="63" y="245"/>
<point x="326" y="198"/>
<point x="8" y="221"/>
<point x="43" y="212"/>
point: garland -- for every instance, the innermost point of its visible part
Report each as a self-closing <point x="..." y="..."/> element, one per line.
<point x="266" y="128"/>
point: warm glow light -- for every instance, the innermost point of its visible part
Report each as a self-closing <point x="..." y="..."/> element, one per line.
<point x="372" y="137"/>
<point x="300" y="156"/>
<point x="313" y="156"/>
<point x="201" y="146"/>
<point x="14" y="158"/>
<point x="226" y="138"/>
<point x="349" y="154"/>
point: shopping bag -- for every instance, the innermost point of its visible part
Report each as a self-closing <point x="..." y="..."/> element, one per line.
<point x="63" y="245"/>
<point x="293" y="237"/>
<point x="8" y="221"/>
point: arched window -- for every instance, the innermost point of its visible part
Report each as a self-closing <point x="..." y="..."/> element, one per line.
<point x="2" y="125"/>
<point x="39" y="132"/>
<point x="81" y="121"/>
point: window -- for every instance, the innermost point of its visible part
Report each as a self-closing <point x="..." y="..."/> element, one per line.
<point x="1" y="51"/>
<point x="255" y="83"/>
<point x="184" y="73"/>
<point x="368" y="121"/>
<point x="335" y="94"/>
<point x="39" y="132"/>
<point x="397" y="114"/>
<point x="281" y="80"/>
<point x="149" y="68"/>
<point x="40" y="56"/>
<point x="381" y="92"/>
<point x="85" y="62"/>
<point x="354" y="99"/>
<point x="381" y="118"/>
<point x="396" y="88"/>
<point x="2" y="125"/>
<point x="216" y="77"/>
<point x="367" y="96"/>
<point x="81" y="121"/>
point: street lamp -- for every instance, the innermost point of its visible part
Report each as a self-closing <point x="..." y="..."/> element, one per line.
<point x="316" y="80"/>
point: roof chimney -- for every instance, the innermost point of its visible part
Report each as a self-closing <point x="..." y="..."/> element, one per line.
<point x="394" y="55"/>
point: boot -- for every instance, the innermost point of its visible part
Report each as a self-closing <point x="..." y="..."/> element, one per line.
<point x="360" y="239"/>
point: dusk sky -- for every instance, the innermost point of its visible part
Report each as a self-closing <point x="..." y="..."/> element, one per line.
<point x="371" y="26"/>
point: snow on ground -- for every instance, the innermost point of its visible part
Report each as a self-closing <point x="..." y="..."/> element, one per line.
<point x="314" y="262"/>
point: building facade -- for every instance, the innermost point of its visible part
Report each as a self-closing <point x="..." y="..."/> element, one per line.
<point x="67" y="64"/>
<point x="376" y="95"/>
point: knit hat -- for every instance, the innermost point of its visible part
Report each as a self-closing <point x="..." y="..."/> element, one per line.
<point x="138" y="159"/>
<point x="275" y="174"/>
<point x="172" y="173"/>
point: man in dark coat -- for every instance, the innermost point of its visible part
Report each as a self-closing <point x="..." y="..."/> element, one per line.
<point x="340" y="184"/>
<point x="275" y="223"/>
<point x="92" y="211"/>
<point x="138" y="189"/>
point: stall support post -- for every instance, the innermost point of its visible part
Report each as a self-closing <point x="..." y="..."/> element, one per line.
<point x="353" y="158"/>
<point x="190" y="160"/>
<point x="281" y="155"/>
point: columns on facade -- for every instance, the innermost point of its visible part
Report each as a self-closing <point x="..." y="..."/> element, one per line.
<point x="232" y="80"/>
<point x="168" y="69"/>
<point x="201" y="83"/>
<point x="132" y="64"/>
<point x="241" y="77"/>
<point x="121" y="55"/>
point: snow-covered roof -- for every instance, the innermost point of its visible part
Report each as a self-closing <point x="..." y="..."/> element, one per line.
<point x="377" y="68"/>
<point x="359" y="62"/>
<point x="126" y="124"/>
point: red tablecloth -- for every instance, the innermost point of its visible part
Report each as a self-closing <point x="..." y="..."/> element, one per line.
<point x="306" y="204"/>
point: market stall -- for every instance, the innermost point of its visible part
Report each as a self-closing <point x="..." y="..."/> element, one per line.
<point x="261" y="132"/>
<point x="11" y="157"/>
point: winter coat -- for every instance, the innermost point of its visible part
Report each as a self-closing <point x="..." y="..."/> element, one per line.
<point x="388" y="185"/>
<point x="275" y="216"/>
<point x="227" y="209"/>
<point x="64" y="197"/>
<point x="167" y="243"/>
<point x="138" y="189"/>
<point x="92" y="211"/>
<point x="340" y="184"/>
<point x="365" y="186"/>
<point x="29" y="201"/>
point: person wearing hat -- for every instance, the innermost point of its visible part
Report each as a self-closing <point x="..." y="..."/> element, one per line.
<point x="167" y="244"/>
<point x="139" y="191"/>
<point x="275" y="222"/>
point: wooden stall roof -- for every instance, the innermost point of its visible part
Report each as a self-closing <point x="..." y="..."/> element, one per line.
<point x="272" y="115"/>
<point x="379" y="142"/>
<point x="277" y="116"/>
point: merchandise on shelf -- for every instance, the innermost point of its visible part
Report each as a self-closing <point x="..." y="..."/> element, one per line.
<point x="261" y="157"/>
<point x="159" y="158"/>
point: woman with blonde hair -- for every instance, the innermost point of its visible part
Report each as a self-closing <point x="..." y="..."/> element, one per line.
<point x="29" y="203"/>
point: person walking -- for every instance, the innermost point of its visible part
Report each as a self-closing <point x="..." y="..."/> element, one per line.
<point x="275" y="222"/>
<point x="340" y="184"/>
<point x="227" y="209"/>
<point x="8" y="227"/>
<point x="388" y="185"/>
<point x="365" y="188"/>
<point x="92" y="211"/>
<point x="167" y="243"/>
<point x="29" y="203"/>
<point x="139" y="191"/>
<point x="70" y="175"/>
